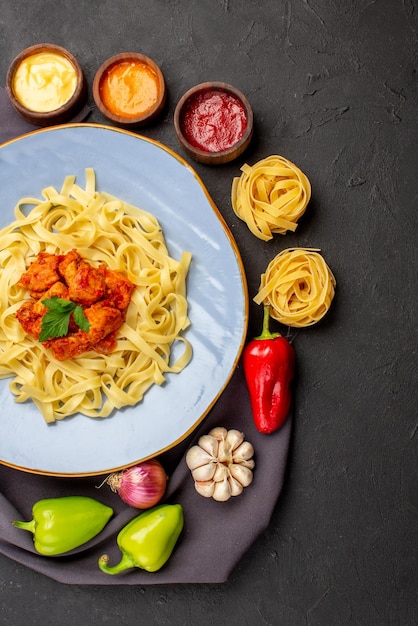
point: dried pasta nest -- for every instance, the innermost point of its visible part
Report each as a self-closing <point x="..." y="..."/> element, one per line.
<point x="270" y="196"/>
<point x="221" y="464"/>
<point x="298" y="286"/>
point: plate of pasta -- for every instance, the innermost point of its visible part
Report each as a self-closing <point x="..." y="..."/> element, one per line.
<point x="86" y="204"/>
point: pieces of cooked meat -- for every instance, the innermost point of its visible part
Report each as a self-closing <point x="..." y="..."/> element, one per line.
<point x="103" y="293"/>
<point x="31" y="312"/>
<point x="103" y="320"/>
<point x="41" y="273"/>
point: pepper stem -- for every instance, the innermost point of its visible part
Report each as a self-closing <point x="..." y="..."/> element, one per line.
<point x="30" y="526"/>
<point x="125" y="563"/>
<point x="266" y="333"/>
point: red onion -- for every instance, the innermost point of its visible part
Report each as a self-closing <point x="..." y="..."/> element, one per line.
<point x="141" y="486"/>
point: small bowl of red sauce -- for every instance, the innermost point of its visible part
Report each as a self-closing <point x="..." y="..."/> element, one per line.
<point x="213" y="122"/>
<point x="46" y="85"/>
<point x="129" y="89"/>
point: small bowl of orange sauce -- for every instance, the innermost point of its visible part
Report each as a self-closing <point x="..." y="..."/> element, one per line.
<point x="213" y="122"/>
<point x="46" y="85"/>
<point x="129" y="89"/>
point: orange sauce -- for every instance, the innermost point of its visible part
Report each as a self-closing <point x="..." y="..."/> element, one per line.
<point x="129" y="88"/>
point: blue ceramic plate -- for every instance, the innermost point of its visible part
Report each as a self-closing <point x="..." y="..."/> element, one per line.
<point x="149" y="175"/>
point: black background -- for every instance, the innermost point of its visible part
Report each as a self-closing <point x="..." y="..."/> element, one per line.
<point x="333" y="88"/>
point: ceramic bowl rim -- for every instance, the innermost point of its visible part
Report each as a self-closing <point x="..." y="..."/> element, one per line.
<point x="62" y="113"/>
<point x="223" y="155"/>
<point x="148" y="115"/>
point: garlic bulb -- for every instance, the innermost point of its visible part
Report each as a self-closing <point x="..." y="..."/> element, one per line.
<point x="221" y="464"/>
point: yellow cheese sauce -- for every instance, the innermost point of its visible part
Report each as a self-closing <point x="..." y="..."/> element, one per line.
<point x="44" y="81"/>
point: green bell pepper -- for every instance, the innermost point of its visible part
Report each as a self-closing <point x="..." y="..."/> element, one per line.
<point x="148" y="540"/>
<point x="62" y="524"/>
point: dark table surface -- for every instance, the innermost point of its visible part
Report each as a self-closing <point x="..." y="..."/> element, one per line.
<point x="333" y="88"/>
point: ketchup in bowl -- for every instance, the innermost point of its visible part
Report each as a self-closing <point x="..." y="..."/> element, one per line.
<point x="213" y="120"/>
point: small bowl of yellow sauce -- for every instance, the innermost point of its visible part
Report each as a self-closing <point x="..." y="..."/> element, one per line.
<point x="46" y="85"/>
<point x="129" y="89"/>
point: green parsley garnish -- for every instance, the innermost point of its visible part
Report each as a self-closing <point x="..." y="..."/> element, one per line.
<point x="56" y="320"/>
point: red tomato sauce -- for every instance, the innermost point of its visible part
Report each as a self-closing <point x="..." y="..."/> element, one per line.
<point x="213" y="120"/>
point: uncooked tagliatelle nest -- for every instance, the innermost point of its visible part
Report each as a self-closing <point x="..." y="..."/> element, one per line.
<point x="270" y="196"/>
<point x="221" y="464"/>
<point x="298" y="286"/>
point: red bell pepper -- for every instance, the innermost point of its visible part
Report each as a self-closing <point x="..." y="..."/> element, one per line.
<point x="269" y="367"/>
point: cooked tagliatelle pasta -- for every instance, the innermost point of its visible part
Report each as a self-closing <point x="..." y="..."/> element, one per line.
<point x="299" y="287"/>
<point x="104" y="229"/>
<point x="270" y="196"/>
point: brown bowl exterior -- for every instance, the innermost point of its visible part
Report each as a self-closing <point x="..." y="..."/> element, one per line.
<point x="203" y="156"/>
<point x="144" y="118"/>
<point x="67" y="110"/>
